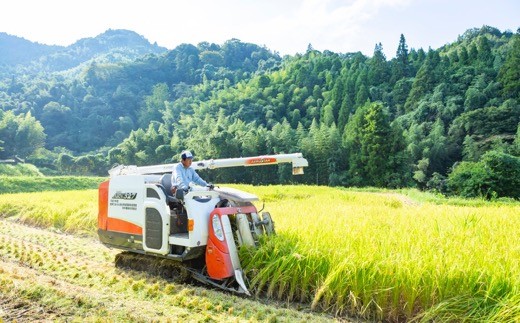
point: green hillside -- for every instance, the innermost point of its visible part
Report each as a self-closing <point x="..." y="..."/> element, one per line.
<point x="408" y="121"/>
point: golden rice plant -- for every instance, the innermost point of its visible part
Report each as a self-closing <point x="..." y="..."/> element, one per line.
<point x="69" y="211"/>
<point x="381" y="255"/>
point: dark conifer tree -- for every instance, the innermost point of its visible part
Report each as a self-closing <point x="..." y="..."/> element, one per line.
<point x="378" y="72"/>
<point x="401" y="67"/>
<point x="509" y="75"/>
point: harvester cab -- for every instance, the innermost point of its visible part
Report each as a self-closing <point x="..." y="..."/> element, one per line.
<point x="196" y="235"/>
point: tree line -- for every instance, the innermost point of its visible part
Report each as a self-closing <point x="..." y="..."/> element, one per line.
<point x="445" y="119"/>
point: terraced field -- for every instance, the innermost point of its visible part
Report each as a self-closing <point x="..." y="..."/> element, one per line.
<point x="47" y="275"/>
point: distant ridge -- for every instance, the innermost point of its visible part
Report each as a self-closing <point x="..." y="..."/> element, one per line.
<point x="15" y="50"/>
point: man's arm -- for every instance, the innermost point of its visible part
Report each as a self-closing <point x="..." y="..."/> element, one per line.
<point x="197" y="179"/>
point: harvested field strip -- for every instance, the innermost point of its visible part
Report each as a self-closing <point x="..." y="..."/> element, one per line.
<point x="48" y="275"/>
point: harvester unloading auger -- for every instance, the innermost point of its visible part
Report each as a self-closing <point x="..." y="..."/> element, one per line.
<point x="196" y="236"/>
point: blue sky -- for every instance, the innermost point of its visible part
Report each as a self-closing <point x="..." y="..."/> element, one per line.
<point x="285" y="26"/>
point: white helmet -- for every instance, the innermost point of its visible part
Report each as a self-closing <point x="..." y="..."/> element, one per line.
<point x="186" y="154"/>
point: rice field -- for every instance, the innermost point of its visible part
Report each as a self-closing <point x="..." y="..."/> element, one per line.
<point x="379" y="255"/>
<point x="384" y="256"/>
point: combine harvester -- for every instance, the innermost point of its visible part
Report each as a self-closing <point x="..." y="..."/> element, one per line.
<point x="195" y="236"/>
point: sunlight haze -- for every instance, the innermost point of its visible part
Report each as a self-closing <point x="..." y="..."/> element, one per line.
<point x="283" y="26"/>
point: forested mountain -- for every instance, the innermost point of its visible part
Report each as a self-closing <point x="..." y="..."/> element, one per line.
<point x="102" y="103"/>
<point x="112" y="45"/>
<point x="15" y="50"/>
<point x="412" y="120"/>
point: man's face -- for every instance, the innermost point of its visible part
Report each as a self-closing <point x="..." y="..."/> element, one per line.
<point x="186" y="162"/>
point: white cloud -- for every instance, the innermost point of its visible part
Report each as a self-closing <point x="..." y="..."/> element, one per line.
<point x="331" y="24"/>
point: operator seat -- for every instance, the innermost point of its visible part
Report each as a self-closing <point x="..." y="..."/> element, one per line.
<point x="166" y="185"/>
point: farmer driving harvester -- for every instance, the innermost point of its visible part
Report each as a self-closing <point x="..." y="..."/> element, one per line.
<point x="198" y="238"/>
<point x="183" y="175"/>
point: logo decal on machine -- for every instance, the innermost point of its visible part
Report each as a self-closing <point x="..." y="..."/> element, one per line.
<point x="260" y="161"/>
<point x="127" y="203"/>
<point x="124" y="196"/>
